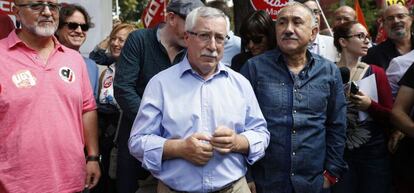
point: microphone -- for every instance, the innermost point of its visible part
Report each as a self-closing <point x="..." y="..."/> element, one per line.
<point x="345" y="74"/>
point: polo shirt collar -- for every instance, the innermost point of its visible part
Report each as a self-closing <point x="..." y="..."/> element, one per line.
<point x="13" y="41"/>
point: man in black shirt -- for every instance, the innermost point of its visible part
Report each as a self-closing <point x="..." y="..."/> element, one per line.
<point x="397" y="22"/>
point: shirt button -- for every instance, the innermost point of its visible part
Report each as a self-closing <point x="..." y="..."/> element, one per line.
<point x="294" y="111"/>
<point x="293" y="153"/>
<point x="292" y="174"/>
<point x="295" y="90"/>
<point x="294" y="131"/>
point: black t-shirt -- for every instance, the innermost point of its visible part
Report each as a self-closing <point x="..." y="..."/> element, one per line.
<point x="408" y="78"/>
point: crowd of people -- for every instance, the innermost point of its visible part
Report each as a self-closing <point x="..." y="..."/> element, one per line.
<point x="189" y="107"/>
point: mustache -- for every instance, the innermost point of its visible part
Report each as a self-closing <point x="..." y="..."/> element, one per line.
<point x="209" y="53"/>
<point x="397" y="25"/>
<point x="289" y="36"/>
<point x="45" y="19"/>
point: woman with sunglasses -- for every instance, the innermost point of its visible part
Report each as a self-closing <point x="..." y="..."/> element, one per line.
<point x="366" y="146"/>
<point x="257" y="33"/>
<point x="108" y="110"/>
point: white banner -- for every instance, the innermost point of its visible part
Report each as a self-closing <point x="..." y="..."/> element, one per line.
<point x="101" y="13"/>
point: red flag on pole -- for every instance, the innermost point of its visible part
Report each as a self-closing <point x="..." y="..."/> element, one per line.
<point x="154" y="13"/>
<point x="359" y="14"/>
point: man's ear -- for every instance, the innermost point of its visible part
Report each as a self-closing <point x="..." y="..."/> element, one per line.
<point x="315" y="31"/>
<point x="170" y="19"/>
<point x="16" y="10"/>
<point x="186" y="38"/>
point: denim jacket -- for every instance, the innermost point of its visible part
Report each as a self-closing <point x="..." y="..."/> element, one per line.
<point x="306" y="115"/>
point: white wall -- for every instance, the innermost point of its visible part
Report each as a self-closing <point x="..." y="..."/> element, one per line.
<point x="101" y="13"/>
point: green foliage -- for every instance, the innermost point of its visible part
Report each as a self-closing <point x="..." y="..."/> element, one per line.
<point x="131" y="10"/>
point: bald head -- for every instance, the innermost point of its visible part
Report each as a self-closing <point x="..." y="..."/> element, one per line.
<point x="395" y="8"/>
<point x="344" y="14"/>
<point x="397" y="22"/>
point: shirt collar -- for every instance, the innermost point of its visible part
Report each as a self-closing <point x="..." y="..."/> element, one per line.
<point x="309" y="56"/>
<point x="13" y="41"/>
<point x="185" y="67"/>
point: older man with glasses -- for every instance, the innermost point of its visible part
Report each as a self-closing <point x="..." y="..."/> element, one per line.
<point x="47" y="109"/>
<point x="322" y="45"/>
<point x="397" y="22"/>
<point x="199" y="124"/>
<point x="74" y="23"/>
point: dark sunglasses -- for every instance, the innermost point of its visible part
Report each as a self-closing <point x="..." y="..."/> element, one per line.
<point x="254" y="39"/>
<point x="74" y="26"/>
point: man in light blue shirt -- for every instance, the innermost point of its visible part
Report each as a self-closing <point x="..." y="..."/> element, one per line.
<point x="199" y="122"/>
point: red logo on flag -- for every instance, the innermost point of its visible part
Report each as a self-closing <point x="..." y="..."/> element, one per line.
<point x="154" y="13"/>
<point x="272" y="7"/>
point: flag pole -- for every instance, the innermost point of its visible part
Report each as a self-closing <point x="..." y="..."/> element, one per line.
<point x="324" y="18"/>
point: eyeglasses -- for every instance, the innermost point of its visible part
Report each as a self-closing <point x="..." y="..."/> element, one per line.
<point x="316" y="11"/>
<point x="400" y="16"/>
<point x="254" y="39"/>
<point x="207" y="36"/>
<point x="362" y="36"/>
<point x="74" y="26"/>
<point x="40" y="6"/>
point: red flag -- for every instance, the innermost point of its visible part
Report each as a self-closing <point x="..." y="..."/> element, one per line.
<point x="154" y="13"/>
<point x="359" y="14"/>
<point x="381" y="35"/>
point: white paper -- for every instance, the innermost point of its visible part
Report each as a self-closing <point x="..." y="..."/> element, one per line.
<point x="368" y="86"/>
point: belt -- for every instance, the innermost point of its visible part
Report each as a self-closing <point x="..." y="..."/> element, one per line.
<point x="225" y="188"/>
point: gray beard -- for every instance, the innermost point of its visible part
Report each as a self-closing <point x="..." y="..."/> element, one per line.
<point x="45" y="31"/>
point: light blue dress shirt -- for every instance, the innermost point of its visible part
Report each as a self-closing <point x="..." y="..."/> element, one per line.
<point x="177" y="102"/>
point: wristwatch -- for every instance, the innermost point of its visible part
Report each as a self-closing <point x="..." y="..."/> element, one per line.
<point x="96" y="158"/>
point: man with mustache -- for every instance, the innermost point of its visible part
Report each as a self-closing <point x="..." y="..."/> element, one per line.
<point x="146" y="52"/>
<point x="47" y="108"/>
<point x="397" y="22"/>
<point x="74" y="23"/>
<point x="199" y="123"/>
<point x="301" y="96"/>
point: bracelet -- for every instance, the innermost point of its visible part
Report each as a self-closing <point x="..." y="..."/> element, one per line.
<point x="96" y="158"/>
<point x="332" y="179"/>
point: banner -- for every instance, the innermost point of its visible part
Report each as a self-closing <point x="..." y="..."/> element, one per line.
<point x="272" y="7"/>
<point x="154" y="13"/>
<point x="6" y="7"/>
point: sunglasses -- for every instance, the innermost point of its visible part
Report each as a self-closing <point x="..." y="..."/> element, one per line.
<point x="74" y="26"/>
<point x="254" y="39"/>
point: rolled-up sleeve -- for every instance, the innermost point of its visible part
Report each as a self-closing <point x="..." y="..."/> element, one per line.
<point x="256" y="127"/>
<point x="145" y="142"/>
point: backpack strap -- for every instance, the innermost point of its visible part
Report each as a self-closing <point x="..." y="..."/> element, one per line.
<point x="359" y="71"/>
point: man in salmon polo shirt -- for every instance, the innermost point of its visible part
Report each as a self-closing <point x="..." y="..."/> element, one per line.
<point x="47" y="109"/>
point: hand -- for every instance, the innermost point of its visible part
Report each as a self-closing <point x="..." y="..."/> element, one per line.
<point x="93" y="173"/>
<point x="252" y="186"/>
<point x="197" y="149"/>
<point x="326" y="183"/>
<point x="361" y="101"/>
<point x="224" y="140"/>
<point x="395" y="138"/>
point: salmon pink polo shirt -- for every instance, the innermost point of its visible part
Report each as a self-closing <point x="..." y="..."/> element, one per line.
<point x="41" y="128"/>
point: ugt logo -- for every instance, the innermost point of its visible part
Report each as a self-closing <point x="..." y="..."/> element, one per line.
<point x="67" y="74"/>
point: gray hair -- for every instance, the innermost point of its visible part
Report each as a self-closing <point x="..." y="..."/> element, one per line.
<point x="314" y="23"/>
<point x="204" y="12"/>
